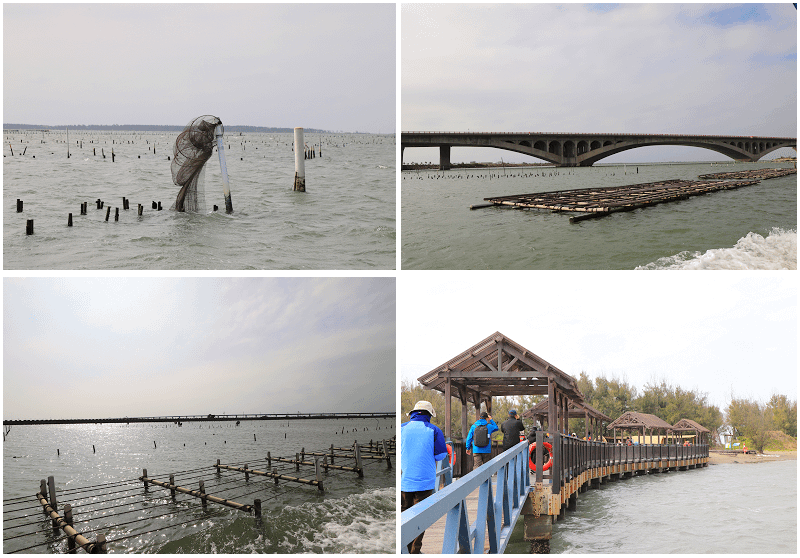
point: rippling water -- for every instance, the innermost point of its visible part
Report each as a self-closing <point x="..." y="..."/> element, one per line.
<point x="353" y="515"/>
<point x="749" y="228"/>
<point x="720" y="509"/>
<point x="345" y="220"/>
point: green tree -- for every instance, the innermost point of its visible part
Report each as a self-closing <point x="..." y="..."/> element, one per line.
<point x="750" y="419"/>
<point x="784" y="414"/>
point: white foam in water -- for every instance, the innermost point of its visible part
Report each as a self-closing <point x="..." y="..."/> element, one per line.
<point x="354" y="527"/>
<point x="778" y="250"/>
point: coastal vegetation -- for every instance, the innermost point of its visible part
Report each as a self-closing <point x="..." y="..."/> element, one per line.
<point x="761" y="425"/>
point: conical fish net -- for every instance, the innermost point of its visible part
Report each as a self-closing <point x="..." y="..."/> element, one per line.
<point x="193" y="147"/>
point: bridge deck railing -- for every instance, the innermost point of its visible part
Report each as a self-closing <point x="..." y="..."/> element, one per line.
<point x="498" y="509"/>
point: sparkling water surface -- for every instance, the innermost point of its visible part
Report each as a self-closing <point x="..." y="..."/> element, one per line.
<point x="352" y="515"/>
<point x="754" y="227"/>
<point x="344" y="220"/>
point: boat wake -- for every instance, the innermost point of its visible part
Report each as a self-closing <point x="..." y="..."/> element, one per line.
<point x="778" y="250"/>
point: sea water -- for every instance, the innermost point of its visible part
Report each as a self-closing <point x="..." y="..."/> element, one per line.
<point x="344" y="220"/>
<point x="352" y="515"/>
<point x="721" y="509"/>
<point x="753" y="227"/>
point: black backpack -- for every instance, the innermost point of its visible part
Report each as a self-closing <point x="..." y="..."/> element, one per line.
<point x="481" y="435"/>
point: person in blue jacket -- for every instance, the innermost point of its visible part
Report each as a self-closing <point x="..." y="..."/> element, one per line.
<point x="481" y="454"/>
<point x="422" y="445"/>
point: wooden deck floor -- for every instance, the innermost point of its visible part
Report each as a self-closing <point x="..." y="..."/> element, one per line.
<point x="434" y="535"/>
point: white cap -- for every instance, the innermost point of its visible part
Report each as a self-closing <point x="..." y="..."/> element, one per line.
<point x="423" y="406"/>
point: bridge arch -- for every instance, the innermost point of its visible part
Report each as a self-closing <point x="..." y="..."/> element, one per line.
<point x="734" y="152"/>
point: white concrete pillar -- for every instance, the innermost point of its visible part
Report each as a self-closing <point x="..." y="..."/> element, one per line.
<point x="299" y="162"/>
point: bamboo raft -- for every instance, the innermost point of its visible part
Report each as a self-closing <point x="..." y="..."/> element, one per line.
<point x="599" y="202"/>
<point x="760" y="174"/>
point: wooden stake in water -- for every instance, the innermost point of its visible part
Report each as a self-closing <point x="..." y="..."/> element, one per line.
<point x="299" y="163"/>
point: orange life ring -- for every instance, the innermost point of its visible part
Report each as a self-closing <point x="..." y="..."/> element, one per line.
<point x="451" y="453"/>
<point x="549" y="463"/>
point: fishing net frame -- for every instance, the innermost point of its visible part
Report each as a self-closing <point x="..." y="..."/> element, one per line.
<point x="193" y="148"/>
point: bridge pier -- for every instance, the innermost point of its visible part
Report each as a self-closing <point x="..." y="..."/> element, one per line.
<point x="444" y="157"/>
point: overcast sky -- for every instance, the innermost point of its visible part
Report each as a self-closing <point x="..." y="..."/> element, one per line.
<point x="328" y="66"/>
<point x="109" y="347"/>
<point x="715" y="333"/>
<point x="625" y="68"/>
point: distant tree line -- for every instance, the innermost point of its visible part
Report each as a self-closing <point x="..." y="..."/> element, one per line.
<point x="756" y="422"/>
<point x="614" y="397"/>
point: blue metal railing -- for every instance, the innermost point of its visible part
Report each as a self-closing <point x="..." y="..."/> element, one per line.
<point x="499" y="506"/>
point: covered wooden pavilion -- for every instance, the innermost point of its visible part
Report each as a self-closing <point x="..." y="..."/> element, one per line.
<point x="498" y="366"/>
<point x="688" y="425"/>
<point x="592" y="418"/>
<point x="641" y="423"/>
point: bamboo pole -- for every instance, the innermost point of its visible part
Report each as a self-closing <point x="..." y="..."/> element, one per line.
<point x="274" y="474"/>
<point x="90" y="547"/>
<point x="199" y="494"/>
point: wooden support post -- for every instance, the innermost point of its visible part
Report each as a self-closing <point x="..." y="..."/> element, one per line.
<point x="318" y="473"/>
<point x="140" y="209"/>
<point x="116" y="218"/>
<point x="257" y="507"/>
<point x="217" y="467"/>
<point x="203" y="493"/>
<point x="297" y="462"/>
<point x="144" y="477"/>
<point x="172" y="485"/>
<point x="29" y="227"/>
<point x="302" y="454"/>
<point x="269" y="461"/>
<point x="69" y="220"/>
<point x="332" y="454"/>
<point x="325" y="463"/>
<point x="19" y="205"/>
<point x="108" y="212"/>
<point x="159" y="206"/>
<point x="386" y="454"/>
<point x="246" y="473"/>
<point x="275" y="474"/>
<point x="43" y="487"/>
<point x="99" y="545"/>
<point x="357" y="452"/>
<point x="68" y="519"/>
<point x="51" y="487"/>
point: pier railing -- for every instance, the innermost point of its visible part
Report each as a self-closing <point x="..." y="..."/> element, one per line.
<point x="573" y="456"/>
<point x="498" y="506"/>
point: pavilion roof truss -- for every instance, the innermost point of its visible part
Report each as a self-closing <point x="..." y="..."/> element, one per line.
<point x="688" y="424"/>
<point x="577" y="410"/>
<point x="498" y="366"/>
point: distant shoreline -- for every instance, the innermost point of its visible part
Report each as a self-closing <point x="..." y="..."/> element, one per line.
<point x="717" y="458"/>
<point x="167" y="128"/>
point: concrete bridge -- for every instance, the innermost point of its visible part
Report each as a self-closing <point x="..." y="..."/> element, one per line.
<point x="583" y="150"/>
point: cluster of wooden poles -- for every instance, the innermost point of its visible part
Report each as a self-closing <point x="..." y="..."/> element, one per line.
<point x="100" y="205"/>
<point x="351" y="459"/>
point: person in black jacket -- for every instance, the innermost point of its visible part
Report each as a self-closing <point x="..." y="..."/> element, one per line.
<point x="511" y="430"/>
